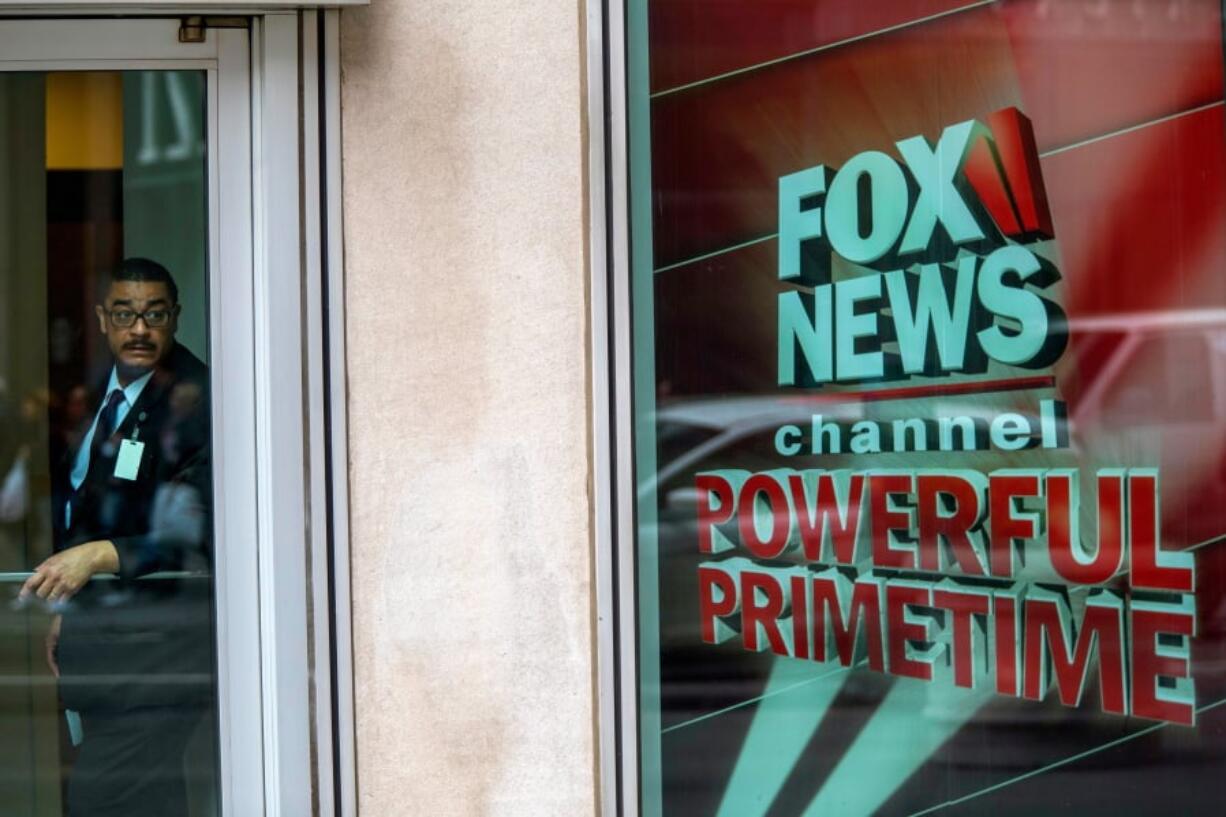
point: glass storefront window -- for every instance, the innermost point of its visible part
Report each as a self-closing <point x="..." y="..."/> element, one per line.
<point x="929" y="394"/>
<point x="107" y="645"/>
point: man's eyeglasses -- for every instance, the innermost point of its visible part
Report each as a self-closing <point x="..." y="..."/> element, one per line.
<point x="153" y="318"/>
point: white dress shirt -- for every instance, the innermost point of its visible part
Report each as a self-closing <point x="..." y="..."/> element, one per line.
<point x="131" y="393"/>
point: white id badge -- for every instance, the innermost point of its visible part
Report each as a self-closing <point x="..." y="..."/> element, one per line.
<point x="127" y="464"/>
<point x="75" y="733"/>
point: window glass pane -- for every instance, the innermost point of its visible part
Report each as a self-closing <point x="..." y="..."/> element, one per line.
<point x="929" y="390"/>
<point x="106" y="632"/>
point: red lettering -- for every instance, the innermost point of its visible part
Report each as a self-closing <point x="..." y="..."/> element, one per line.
<point x="761" y="606"/>
<point x="1063" y="533"/>
<point x="962" y="605"/>
<point x="886" y="520"/>
<point x="1148" y="569"/>
<point x="800" y="616"/>
<point x="776" y="542"/>
<point x="897" y="598"/>
<point x="1007" y="530"/>
<point x="1149" y="663"/>
<point x="955" y="528"/>
<point x="1004" y="607"/>
<point x="713" y="580"/>
<point x="839" y="522"/>
<point x="863" y="614"/>
<point x="712" y="486"/>
<point x="1047" y="620"/>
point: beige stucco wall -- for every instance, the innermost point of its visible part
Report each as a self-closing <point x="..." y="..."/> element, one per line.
<point x="466" y="308"/>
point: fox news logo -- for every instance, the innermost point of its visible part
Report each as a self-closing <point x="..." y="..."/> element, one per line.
<point x="940" y="275"/>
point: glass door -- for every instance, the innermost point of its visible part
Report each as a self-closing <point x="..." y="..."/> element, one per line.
<point x="124" y="218"/>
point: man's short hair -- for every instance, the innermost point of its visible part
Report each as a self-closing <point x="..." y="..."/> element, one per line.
<point x="141" y="270"/>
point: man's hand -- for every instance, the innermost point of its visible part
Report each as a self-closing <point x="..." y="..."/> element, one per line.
<point x="62" y="575"/>
<point x="52" y="641"/>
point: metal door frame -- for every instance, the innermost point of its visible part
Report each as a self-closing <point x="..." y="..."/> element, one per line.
<point x="277" y="349"/>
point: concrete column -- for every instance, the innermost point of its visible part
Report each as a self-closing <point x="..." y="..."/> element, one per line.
<point x="465" y="230"/>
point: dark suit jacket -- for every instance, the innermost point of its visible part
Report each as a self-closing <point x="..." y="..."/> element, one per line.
<point x="140" y="642"/>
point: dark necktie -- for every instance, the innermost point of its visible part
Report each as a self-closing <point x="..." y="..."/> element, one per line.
<point x="106" y="424"/>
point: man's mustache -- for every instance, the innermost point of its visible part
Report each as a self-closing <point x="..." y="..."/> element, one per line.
<point x="138" y="345"/>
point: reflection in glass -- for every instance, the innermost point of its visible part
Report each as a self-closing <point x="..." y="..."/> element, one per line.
<point x="744" y="118"/>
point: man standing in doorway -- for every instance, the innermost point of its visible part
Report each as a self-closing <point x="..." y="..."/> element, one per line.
<point x="134" y="655"/>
